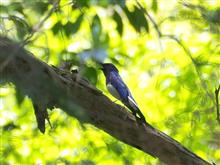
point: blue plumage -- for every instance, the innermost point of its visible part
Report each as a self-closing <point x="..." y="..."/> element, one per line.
<point x="119" y="89"/>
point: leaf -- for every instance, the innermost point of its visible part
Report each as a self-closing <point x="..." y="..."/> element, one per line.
<point x="119" y="2"/>
<point x="21" y="26"/>
<point x="154" y="5"/>
<point x="40" y="7"/>
<point x="137" y="19"/>
<point x="10" y="126"/>
<point x="213" y="16"/>
<point x="57" y="27"/>
<point x="16" y="6"/>
<point x="72" y="28"/>
<point x="91" y="74"/>
<point x="96" y="29"/>
<point x="119" y="22"/>
<point x="80" y="3"/>
<point x="115" y="147"/>
<point x="4" y="9"/>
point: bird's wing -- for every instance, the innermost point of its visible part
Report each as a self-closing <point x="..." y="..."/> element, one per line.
<point x="117" y="82"/>
<point x="125" y="95"/>
<point x="123" y="91"/>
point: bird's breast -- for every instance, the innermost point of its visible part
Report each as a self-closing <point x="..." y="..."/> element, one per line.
<point x="113" y="91"/>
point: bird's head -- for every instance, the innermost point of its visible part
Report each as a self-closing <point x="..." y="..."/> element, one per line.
<point x="108" y="67"/>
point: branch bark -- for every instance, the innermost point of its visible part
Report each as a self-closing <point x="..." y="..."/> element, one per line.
<point x="52" y="87"/>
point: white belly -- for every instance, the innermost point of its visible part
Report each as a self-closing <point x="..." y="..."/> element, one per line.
<point x="113" y="91"/>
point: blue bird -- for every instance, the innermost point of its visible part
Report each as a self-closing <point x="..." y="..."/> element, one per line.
<point x="119" y="90"/>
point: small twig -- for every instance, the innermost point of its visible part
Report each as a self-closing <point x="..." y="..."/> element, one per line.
<point x="217" y="103"/>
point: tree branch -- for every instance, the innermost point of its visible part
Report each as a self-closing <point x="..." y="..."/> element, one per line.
<point x="51" y="87"/>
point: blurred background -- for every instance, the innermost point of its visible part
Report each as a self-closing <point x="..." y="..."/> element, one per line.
<point x="168" y="53"/>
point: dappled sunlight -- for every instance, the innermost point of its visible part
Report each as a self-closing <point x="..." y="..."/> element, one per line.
<point x="171" y="71"/>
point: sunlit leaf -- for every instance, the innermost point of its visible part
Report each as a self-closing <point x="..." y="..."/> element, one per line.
<point x="154" y="5"/>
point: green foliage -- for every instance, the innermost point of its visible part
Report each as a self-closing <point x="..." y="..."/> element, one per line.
<point x="21" y="26"/>
<point x="118" y="20"/>
<point x="154" y="5"/>
<point x="137" y="19"/>
<point x="174" y="88"/>
<point x="71" y="28"/>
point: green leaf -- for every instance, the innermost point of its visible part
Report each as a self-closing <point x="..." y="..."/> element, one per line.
<point x="91" y="74"/>
<point x="40" y="7"/>
<point x="154" y="5"/>
<point x="57" y="27"/>
<point x="137" y="19"/>
<point x="10" y="126"/>
<point x="96" y="29"/>
<point x="15" y="6"/>
<point x="213" y="16"/>
<point x="119" y="22"/>
<point x="21" y="26"/>
<point x="4" y="9"/>
<point x="72" y="28"/>
<point x="119" y="2"/>
<point x="80" y="3"/>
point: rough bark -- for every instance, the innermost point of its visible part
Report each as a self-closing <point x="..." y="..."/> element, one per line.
<point x="52" y="87"/>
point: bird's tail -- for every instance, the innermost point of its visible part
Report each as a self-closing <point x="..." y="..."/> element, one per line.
<point x="132" y="105"/>
<point x="137" y="113"/>
<point x="141" y="116"/>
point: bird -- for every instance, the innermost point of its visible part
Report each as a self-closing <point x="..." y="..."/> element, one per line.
<point x="118" y="89"/>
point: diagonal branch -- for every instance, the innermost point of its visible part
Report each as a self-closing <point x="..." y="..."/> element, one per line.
<point x="51" y="87"/>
